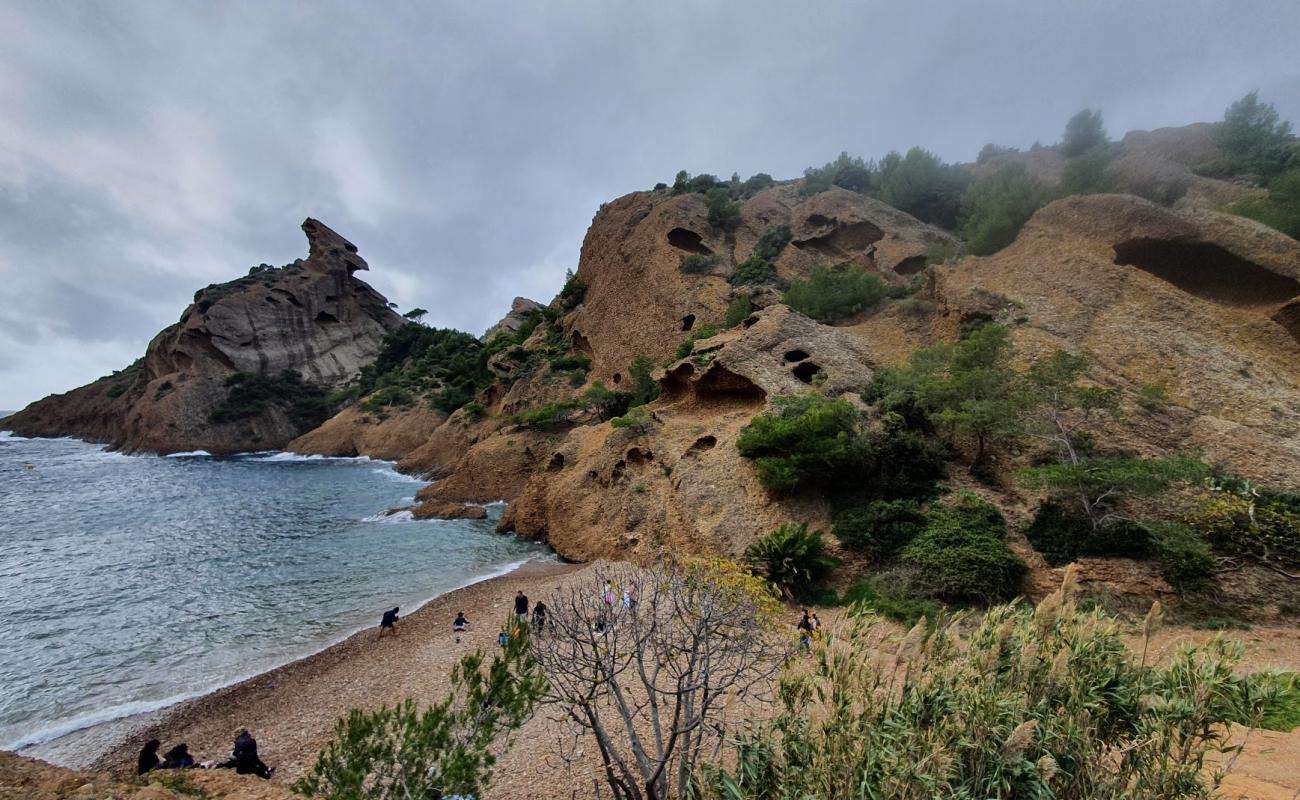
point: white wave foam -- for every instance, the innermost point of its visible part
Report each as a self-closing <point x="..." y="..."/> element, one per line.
<point x="282" y="456"/>
<point x="404" y="515"/>
<point x="13" y="437"/>
<point x="191" y="454"/>
<point x="96" y="718"/>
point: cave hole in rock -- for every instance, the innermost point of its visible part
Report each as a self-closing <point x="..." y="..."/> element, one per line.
<point x="721" y="383"/>
<point x="287" y="295"/>
<point x="750" y="321"/>
<point x="677" y="381"/>
<point x="325" y="316"/>
<point x="593" y="474"/>
<point x="271" y="300"/>
<point x="688" y="240"/>
<point x="706" y="442"/>
<point x="556" y="463"/>
<point x="582" y="344"/>
<point x="910" y="265"/>
<point x="792" y="356"/>
<point x="636" y="455"/>
<point x="1208" y="271"/>
<point x="616" y="474"/>
<point x="618" y="377"/>
<point x="805" y="371"/>
<point x="841" y="240"/>
<point x="688" y="322"/>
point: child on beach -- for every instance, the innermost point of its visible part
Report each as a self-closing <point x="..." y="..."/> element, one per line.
<point x="459" y="625"/>
<point x="389" y="622"/>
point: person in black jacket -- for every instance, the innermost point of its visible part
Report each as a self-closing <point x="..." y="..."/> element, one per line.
<point x="244" y="758"/>
<point x="148" y="759"/>
<point x="389" y="622"/>
<point x="178" y="758"/>
<point x="521" y="606"/>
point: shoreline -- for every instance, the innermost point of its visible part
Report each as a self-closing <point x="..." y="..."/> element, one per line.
<point x="335" y="672"/>
<point x="93" y="745"/>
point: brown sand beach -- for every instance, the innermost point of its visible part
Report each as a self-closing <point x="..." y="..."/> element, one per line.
<point x="292" y="710"/>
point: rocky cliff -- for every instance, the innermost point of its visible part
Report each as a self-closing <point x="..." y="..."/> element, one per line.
<point x="248" y="367"/>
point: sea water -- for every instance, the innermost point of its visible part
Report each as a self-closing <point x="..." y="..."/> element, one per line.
<point x="131" y="582"/>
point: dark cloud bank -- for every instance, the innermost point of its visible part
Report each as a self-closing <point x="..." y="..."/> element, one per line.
<point x="147" y="149"/>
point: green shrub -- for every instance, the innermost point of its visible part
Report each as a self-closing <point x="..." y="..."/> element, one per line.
<point x="724" y="213"/>
<point x="753" y="271"/>
<point x="605" y="403"/>
<point x="305" y="404"/>
<point x="876" y="596"/>
<point x="845" y="171"/>
<point x="756" y="183"/>
<point x="698" y="263"/>
<point x="1062" y="534"/>
<point x="805" y="440"/>
<point x="962" y="556"/>
<point x="1254" y="139"/>
<point x="685" y="184"/>
<point x="991" y="151"/>
<point x="880" y="528"/>
<point x="705" y="331"/>
<point x="920" y="184"/>
<point x="898" y="462"/>
<point x="772" y="242"/>
<point x="1084" y="132"/>
<point x="738" y="311"/>
<point x="638" y="421"/>
<point x="574" y="291"/>
<point x="1022" y="703"/>
<point x="386" y="396"/>
<point x="571" y="362"/>
<point x="1247" y="522"/>
<point x="996" y="207"/>
<point x="941" y="254"/>
<point x="448" y="749"/>
<point x="1186" y="561"/>
<point x="551" y="415"/>
<point x="473" y="411"/>
<point x="645" y="389"/>
<point x="834" y="293"/>
<point x="1282" y="705"/>
<point x="1153" y="396"/>
<point x="1086" y="173"/>
<point x="448" y="365"/>
<point x="791" y="557"/>
<point x="1280" y="209"/>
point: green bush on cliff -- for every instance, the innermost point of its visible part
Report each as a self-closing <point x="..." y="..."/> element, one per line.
<point x="805" y="440"/>
<point x="846" y="172"/>
<point x="1255" y="140"/>
<point x="724" y="213"/>
<point x="449" y="748"/>
<point x="754" y="271"/>
<point x="738" y="311"/>
<point x="997" y="206"/>
<point x="921" y="184"/>
<point x="831" y="294"/>
<point x="1062" y="533"/>
<point x="645" y="389"/>
<point x="962" y="554"/>
<point x="705" y="331"/>
<point x="574" y="291"/>
<point x="1084" y="131"/>
<point x="698" y="263"/>
<point x="1280" y="208"/>
<point x="880" y="528"/>
<point x="772" y="242"/>
<point x="446" y="364"/>
<point x="1086" y="173"/>
<point x="247" y="396"/>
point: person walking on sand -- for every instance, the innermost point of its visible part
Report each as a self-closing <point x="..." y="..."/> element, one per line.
<point x="816" y="627"/>
<point x="459" y="624"/>
<point x="539" y="616"/>
<point x="244" y="756"/>
<point x="148" y="759"/>
<point x="521" y="606"/>
<point x="805" y="628"/>
<point x="629" y="598"/>
<point x="389" y="622"/>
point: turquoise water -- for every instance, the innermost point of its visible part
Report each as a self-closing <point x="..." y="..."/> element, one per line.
<point x="128" y="583"/>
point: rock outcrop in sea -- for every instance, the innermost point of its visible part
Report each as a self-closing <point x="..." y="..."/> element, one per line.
<point x="248" y="367"/>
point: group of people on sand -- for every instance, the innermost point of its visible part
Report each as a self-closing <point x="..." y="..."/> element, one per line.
<point x="243" y="758"/>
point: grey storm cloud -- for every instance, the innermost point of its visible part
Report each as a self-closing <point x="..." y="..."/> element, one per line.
<point x="147" y="149"/>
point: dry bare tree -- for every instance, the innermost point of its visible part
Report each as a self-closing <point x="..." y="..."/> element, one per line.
<point x="652" y="681"/>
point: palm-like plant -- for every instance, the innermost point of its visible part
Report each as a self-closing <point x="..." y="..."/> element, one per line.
<point x="791" y="557"/>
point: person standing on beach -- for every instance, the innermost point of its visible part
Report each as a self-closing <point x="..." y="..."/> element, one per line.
<point x="459" y="625"/>
<point x="539" y="616"/>
<point x="389" y="622"/>
<point x="521" y="606"/>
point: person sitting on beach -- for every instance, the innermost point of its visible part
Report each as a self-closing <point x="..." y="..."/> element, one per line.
<point x="539" y="616"/>
<point x="521" y="606"/>
<point x="459" y="624"/>
<point x="389" y="622"/>
<point x="148" y="759"/>
<point x="503" y="638"/>
<point x="178" y="758"/>
<point x="244" y="756"/>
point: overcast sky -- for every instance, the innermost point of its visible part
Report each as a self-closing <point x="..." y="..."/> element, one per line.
<point x="148" y="149"/>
